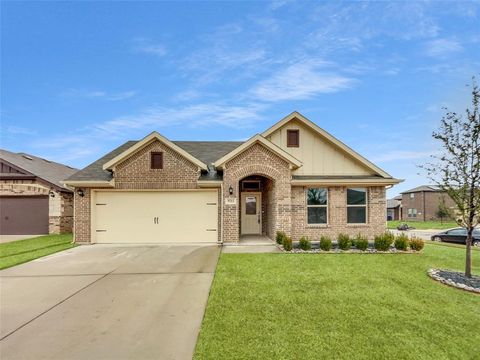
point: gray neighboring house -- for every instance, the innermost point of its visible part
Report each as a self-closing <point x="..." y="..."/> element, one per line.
<point x="421" y="203"/>
<point x="33" y="199"/>
<point x="394" y="208"/>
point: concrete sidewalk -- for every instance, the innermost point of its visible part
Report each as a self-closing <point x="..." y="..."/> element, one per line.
<point x="107" y="302"/>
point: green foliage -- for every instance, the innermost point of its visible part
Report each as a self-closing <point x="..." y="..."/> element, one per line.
<point x="361" y="242"/>
<point x="287" y="243"/>
<point x="344" y="242"/>
<point x="401" y="242"/>
<point x="279" y="237"/>
<point x="325" y="243"/>
<point x="382" y="242"/>
<point x="305" y="243"/>
<point x="416" y="243"/>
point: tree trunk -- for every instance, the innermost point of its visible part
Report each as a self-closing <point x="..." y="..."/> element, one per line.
<point x="468" y="257"/>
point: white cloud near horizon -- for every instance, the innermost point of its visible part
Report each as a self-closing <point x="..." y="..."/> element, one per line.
<point x="399" y="155"/>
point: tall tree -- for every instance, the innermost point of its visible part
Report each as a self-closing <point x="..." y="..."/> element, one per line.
<point x="457" y="169"/>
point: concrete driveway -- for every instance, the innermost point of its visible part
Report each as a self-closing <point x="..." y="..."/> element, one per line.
<point x="107" y="302"/>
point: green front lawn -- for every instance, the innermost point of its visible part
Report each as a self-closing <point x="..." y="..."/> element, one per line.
<point x="18" y="252"/>
<point x="423" y="225"/>
<point x="343" y="306"/>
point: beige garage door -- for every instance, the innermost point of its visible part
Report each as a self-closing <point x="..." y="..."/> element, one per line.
<point x="155" y="217"/>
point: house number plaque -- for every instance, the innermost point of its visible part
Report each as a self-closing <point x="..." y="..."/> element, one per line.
<point x="230" y="201"/>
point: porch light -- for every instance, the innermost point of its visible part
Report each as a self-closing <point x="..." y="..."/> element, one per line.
<point x="230" y="190"/>
<point x="80" y="192"/>
<point x="51" y="193"/>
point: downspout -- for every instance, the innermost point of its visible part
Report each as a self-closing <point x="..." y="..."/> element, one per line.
<point x="221" y="213"/>
<point x="423" y="197"/>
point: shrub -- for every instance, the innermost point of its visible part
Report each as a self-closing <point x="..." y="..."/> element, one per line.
<point x="382" y="242"/>
<point x="325" y="243"/>
<point x="416" y="243"/>
<point x="304" y="243"/>
<point x="344" y="242"/>
<point x="287" y="243"/>
<point x="280" y="236"/>
<point x="401" y="242"/>
<point x="361" y="242"/>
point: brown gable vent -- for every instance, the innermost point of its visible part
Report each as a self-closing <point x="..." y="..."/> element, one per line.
<point x="156" y="160"/>
<point x="293" y="138"/>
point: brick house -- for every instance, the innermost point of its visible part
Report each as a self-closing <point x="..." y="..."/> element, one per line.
<point x="421" y="203"/>
<point x="394" y="208"/>
<point x="33" y="198"/>
<point x="293" y="177"/>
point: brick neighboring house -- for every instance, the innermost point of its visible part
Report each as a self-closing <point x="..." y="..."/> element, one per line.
<point x="394" y="208"/>
<point x="33" y="198"/>
<point x="421" y="203"/>
<point x="293" y="177"/>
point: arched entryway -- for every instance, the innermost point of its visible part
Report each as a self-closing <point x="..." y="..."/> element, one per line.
<point x="256" y="206"/>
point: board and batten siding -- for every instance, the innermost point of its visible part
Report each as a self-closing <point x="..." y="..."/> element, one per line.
<point x="319" y="157"/>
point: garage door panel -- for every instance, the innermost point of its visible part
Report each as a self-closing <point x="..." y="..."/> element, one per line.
<point x="22" y="215"/>
<point x="156" y="217"/>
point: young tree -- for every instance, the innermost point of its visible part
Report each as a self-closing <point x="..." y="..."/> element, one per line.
<point x="457" y="169"/>
<point x="443" y="212"/>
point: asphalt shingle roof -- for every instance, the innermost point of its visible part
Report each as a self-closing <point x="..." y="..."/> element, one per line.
<point x="47" y="170"/>
<point x="205" y="151"/>
<point x="422" y="188"/>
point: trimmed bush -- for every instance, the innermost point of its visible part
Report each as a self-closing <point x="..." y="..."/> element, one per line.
<point x="305" y="243"/>
<point x="279" y="237"/>
<point x="325" y="243"/>
<point x="382" y="242"/>
<point x="401" y="242"/>
<point x="416" y="243"/>
<point x="344" y="242"/>
<point x="361" y="242"/>
<point x="287" y="243"/>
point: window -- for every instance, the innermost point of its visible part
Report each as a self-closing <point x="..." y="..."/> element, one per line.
<point x="412" y="195"/>
<point x="356" y="206"/>
<point x="457" y="232"/>
<point x="317" y="203"/>
<point x="293" y="138"/>
<point x="251" y="185"/>
<point x="412" y="212"/>
<point x="251" y="205"/>
<point x="156" y="160"/>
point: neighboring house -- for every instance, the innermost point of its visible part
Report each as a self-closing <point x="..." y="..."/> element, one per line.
<point x="394" y="208"/>
<point x="422" y="203"/>
<point x="293" y="177"/>
<point x="33" y="198"/>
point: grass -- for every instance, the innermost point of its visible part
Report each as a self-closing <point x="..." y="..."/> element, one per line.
<point x="18" y="252"/>
<point x="345" y="306"/>
<point x="423" y="225"/>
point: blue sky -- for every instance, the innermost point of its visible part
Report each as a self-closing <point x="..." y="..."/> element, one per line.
<point x="80" y="78"/>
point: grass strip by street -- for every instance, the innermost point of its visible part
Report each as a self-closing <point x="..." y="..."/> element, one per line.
<point x="21" y="251"/>
<point x="423" y="225"/>
<point x="311" y="306"/>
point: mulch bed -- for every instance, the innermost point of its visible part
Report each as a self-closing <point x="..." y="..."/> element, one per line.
<point x="456" y="279"/>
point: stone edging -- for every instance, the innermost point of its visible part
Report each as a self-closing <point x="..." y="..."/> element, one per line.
<point x="440" y="275"/>
<point x="392" y="250"/>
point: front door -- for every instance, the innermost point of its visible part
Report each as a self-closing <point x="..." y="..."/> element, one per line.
<point x="251" y="213"/>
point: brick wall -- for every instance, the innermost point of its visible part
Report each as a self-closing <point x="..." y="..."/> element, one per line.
<point x="258" y="160"/>
<point x="337" y="214"/>
<point x="177" y="172"/>
<point x="426" y="203"/>
<point x="81" y="223"/>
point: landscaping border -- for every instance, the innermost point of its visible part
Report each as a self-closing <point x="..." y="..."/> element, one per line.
<point x="456" y="279"/>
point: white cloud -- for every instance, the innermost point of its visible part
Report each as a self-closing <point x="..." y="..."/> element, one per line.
<point x="146" y="46"/>
<point x="98" y="94"/>
<point x="299" y="81"/>
<point x="442" y="47"/>
<point x="17" y="130"/>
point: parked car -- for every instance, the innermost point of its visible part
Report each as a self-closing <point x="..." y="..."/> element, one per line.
<point x="457" y="235"/>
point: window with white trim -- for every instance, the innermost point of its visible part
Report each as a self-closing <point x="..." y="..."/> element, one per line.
<point x="317" y="204"/>
<point x="412" y="212"/>
<point x="356" y="205"/>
